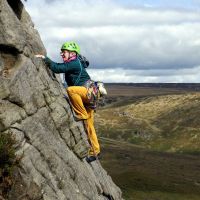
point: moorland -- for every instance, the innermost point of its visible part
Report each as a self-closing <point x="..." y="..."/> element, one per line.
<point x="150" y="138"/>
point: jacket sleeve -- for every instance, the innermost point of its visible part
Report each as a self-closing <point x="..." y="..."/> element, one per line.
<point x="56" y="67"/>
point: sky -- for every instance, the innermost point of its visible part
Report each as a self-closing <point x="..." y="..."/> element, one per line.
<point x="139" y="41"/>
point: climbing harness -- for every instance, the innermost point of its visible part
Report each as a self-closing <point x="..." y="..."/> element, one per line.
<point x="95" y="91"/>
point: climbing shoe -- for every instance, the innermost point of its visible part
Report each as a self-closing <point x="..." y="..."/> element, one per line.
<point x="92" y="158"/>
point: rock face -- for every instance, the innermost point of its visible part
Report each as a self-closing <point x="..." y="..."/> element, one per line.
<point x="33" y="109"/>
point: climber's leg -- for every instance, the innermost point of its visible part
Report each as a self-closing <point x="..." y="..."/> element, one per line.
<point x="78" y="96"/>
<point x="95" y="147"/>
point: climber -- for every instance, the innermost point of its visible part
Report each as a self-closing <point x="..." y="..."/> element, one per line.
<point x="77" y="79"/>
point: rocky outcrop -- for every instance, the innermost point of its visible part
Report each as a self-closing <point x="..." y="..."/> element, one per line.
<point x="52" y="146"/>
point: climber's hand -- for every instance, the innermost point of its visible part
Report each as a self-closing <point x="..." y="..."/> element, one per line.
<point x="40" y="56"/>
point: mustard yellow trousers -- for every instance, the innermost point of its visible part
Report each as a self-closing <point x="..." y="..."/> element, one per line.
<point x="78" y="97"/>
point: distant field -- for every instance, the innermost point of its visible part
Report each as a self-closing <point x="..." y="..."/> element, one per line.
<point x="149" y="175"/>
<point x="134" y="89"/>
<point x="122" y="94"/>
<point x="130" y="91"/>
<point x="163" y="120"/>
<point x="150" y="138"/>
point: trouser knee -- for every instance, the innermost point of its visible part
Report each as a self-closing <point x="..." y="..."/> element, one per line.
<point x="69" y="90"/>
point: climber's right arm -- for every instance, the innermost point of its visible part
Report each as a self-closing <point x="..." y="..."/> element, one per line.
<point x="55" y="67"/>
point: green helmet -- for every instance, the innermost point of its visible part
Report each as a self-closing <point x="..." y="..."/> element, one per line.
<point x="71" y="46"/>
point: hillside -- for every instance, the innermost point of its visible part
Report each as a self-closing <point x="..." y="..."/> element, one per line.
<point x="143" y="174"/>
<point x="153" y="150"/>
<point x="161" y="122"/>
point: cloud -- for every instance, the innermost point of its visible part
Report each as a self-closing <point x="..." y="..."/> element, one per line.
<point x="114" y="36"/>
<point x="144" y="76"/>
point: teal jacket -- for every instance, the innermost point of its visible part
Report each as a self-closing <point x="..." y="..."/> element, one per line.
<point x="75" y="73"/>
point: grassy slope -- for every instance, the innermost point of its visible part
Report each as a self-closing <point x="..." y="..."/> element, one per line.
<point x="160" y="119"/>
<point x="149" y="175"/>
<point x="168" y="122"/>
